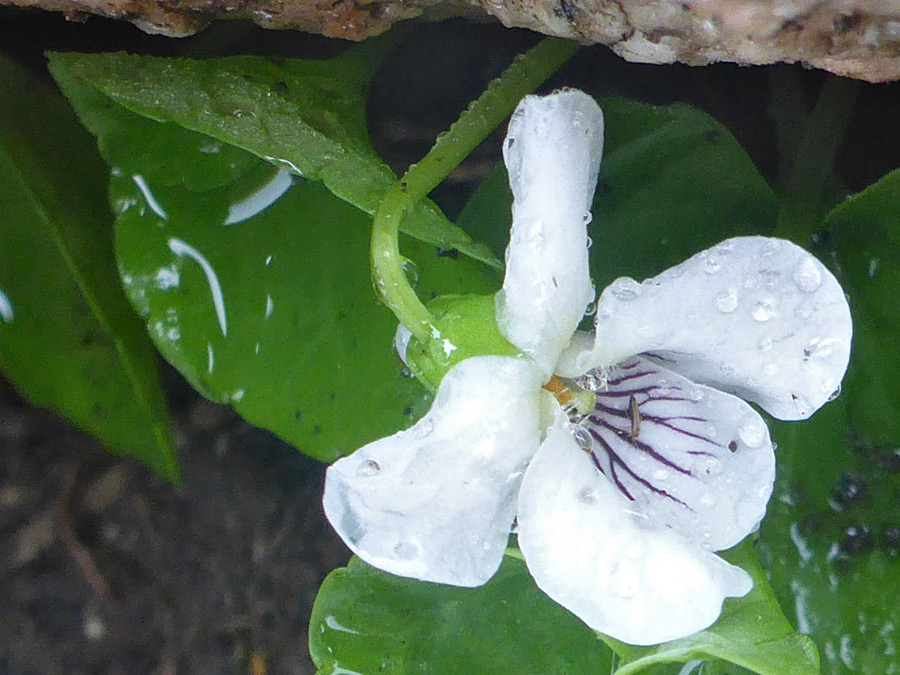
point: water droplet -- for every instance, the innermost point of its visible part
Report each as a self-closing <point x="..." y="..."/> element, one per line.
<point x="763" y="310"/>
<point x="695" y="395"/>
<point x="411" y="272"/>
<point x="708" y="500"/>
<point x="764" y="345"/>
<point x="368" y="467"/>
<point x="588" y="495"/>
<point x="833" y="395"/>
<point x="802" y="313"/>
<point x="807" y="275"/>
<point x="819" y="348"/>
<point x="873" y="267"/>
<point x="727" y="301"/>
<point x="588" y="217"/>
<point x="752" y="434"/>
<point x="625" y="579"/>
<point x="406" y="550"/>
<point x="625" y="289"/>
<point x="591" y="309"/>
<point x="660" y="475"/>
<point x="850" y="490"/>
<point x="771" y="369"/>
<point x="424" y="428"/>
<point x="857" y="540"/>
<point x="582" y="437"/>
<point x="711" y="265"/>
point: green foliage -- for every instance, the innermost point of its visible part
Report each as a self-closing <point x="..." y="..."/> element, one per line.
<point x="367" y="621"/>
<point x="68" y="339"/>
<point x="830" y="540"/>
<point x="299" y="344"/>
<point x="306" y="116"/>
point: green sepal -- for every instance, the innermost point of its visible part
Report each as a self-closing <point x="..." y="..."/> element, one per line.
<point x="466" y="327"/>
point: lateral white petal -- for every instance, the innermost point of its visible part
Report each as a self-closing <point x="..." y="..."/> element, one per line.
<point x="552" y="151"/>
<point x="592" y="554"/>
<point x="436" y="502"/>
<point x="754" y="316"/>
<point x="688" y="457"/>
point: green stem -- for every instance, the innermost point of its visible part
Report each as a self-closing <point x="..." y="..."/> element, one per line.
<point x="805" y="196"/>
<point x="524" y="75"/>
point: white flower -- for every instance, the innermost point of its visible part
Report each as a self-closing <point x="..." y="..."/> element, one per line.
<point x="620" y="507"/>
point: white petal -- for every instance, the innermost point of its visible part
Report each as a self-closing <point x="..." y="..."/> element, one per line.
<point x="436" y="502"/>
<point x="552" y="152"/>
<point x="622" y="576"/>
<point x="687" y="456"/>
<point x="758" y="317"/>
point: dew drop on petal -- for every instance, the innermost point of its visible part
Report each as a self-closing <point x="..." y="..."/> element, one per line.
<point x="764" y="345"/>
<point x="727" y="301"/>
<point x="368" y="467"/>
<point x="763" y="310"/>
<point x="708" y="500"/>
<point x="625" y="289"/>
<point x="752" y="434"/>
<point x="711" y="265"/>
<point x="588" y="495"/>
<point x="660" y="475"/>
<point x="771" y="369"/>
<point x="424" y="428"/>
<point x="406" y="550"/>
<point x="625" y="579"/>
<point x="807" y="276"/>
<point x="835" y="393"/>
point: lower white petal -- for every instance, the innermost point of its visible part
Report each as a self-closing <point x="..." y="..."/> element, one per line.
<point x="552" y="152"/>
<point x="623" y="577"/>
<point x="436" y="502"/>
<point x="687" y="456"/>
<point x="754" y="316"/>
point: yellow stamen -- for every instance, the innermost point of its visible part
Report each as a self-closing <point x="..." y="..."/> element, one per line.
<point x="556" y="387"/>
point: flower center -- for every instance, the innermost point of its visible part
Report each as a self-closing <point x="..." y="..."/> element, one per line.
<point x="575" y="400"/>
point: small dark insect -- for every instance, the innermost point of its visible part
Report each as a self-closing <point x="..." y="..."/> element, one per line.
<point x="733" y="446"/>
<point x="634" y="412"/>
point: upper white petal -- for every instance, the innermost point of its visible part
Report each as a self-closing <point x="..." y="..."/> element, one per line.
<point x="623" y="577"/>
<point x="758" y="317"/>
<point x="552" y="152"/>
<point x="436" y="502"/>
<point x="688" y="457"/>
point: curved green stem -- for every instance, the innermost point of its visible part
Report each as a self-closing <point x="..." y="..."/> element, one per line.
<point x="473" y="126"/>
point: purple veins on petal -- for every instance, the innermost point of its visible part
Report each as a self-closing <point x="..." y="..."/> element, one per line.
<point x="691" y="457"/>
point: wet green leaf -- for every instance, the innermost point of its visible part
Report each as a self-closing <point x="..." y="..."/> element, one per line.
<point x="751" y="633"/>
<point x="368" y="621"/>
<point x="673" y="182"/>
<point x="831" y="539"/>
<point x="68" y="338"/>
<point x="306" y="116"/>
<point x="259" y="292"/>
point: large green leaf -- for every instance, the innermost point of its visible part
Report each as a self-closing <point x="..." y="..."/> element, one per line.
<point x="368" y="621"/>
<point x="275" y="313"/>
<point x="831" y="540"/>
<point x="68" y="339"/>
<point x="306" y="116"/>
<point x="751" y="632"/>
